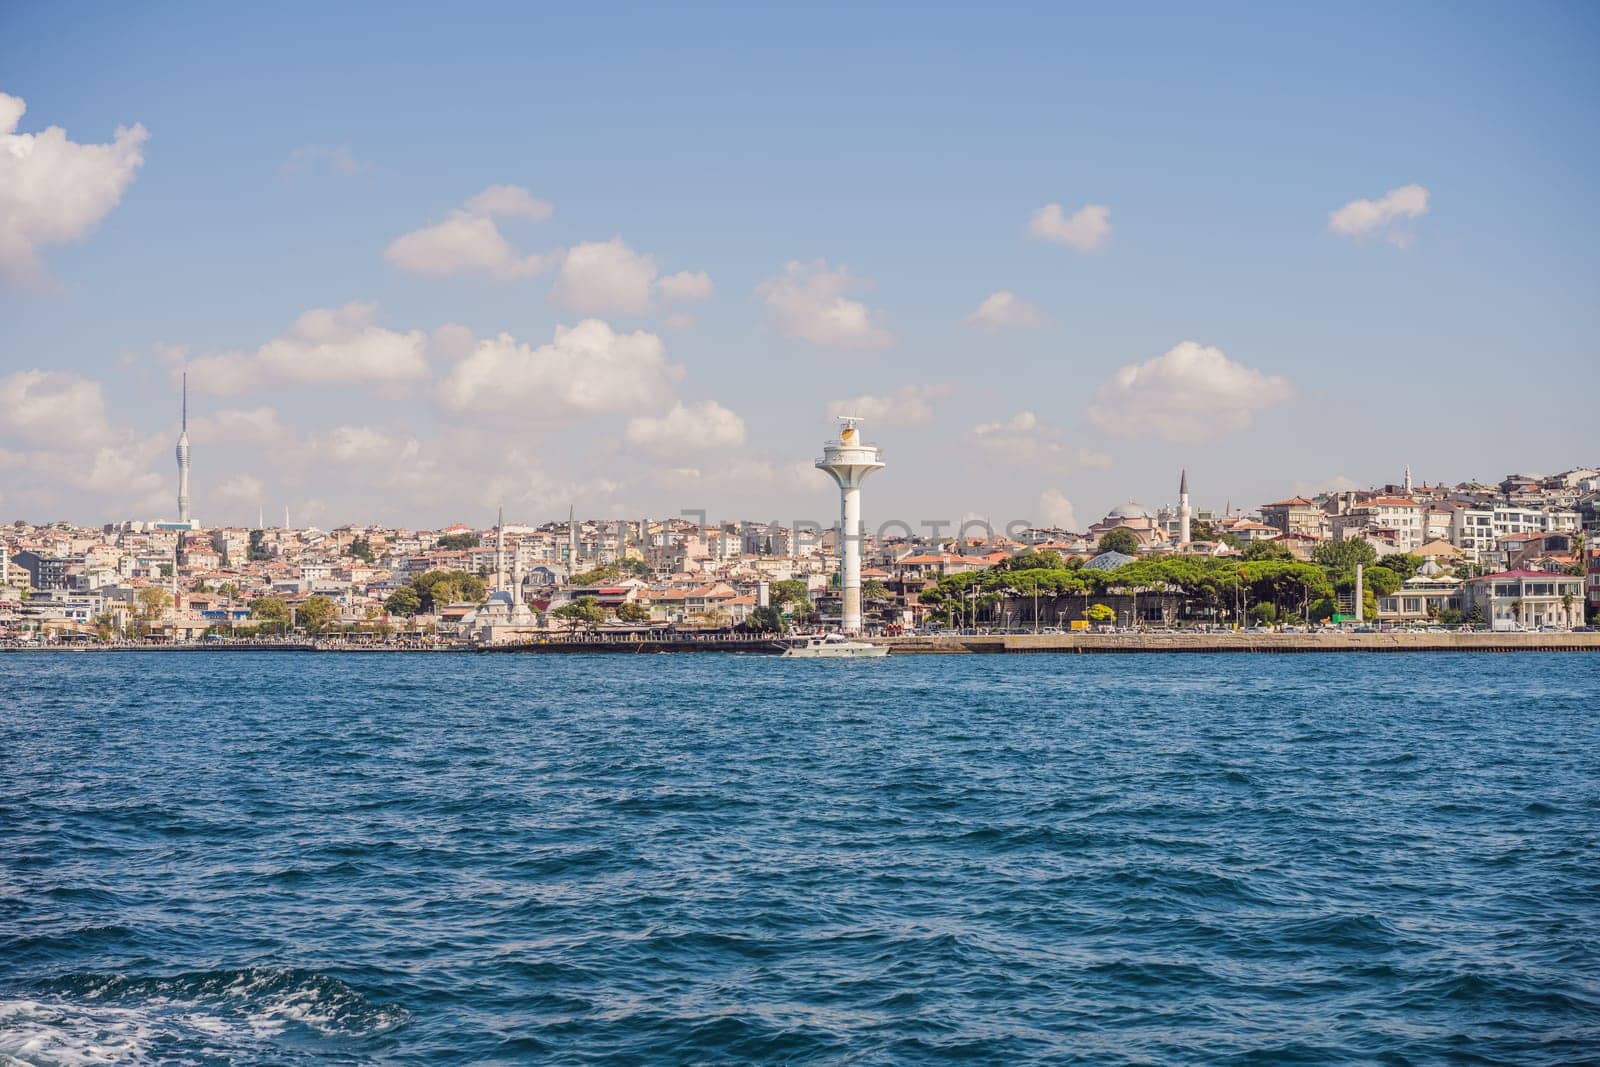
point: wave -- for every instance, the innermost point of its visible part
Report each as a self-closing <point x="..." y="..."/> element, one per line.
<point x="226" y="1014"/>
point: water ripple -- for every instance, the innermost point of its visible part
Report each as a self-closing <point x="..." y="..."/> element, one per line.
<point x="1145" y="860"/>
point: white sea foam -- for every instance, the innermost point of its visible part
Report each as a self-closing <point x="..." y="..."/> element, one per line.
<point x="60" y="1034"/>
<point x="115" y="1020"/>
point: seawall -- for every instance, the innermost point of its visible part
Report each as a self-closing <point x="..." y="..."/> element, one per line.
<point x="1241" y="642"/>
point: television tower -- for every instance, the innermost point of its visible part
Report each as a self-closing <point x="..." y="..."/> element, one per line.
<point x="849" y="461"/>
<point x="183" y="456"/>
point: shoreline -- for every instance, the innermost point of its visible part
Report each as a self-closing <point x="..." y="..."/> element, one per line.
<point x="986" y="644"/>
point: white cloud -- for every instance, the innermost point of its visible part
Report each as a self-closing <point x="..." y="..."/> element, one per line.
<point x="910" y="405"/>
<point x="608" y="277"/>
<point x="586" y="369"/>
<point x="469" y="242"/>
<point x="326" y="346"/>
<point x="54" y="191"/>
<point x="52" y="409"/>
<point x="364" y="446"/>
<point x="1024" y="438"/>
<point x="241" y="489"/>
<point x="601" y="277"/>
<point x="809" y="301"/>
<point x="336" y="158"/>
<point x="678" y="320"/>
<point x="1192" y="393"/>
<point x="1386" y="215"/>
<point x="686" y="285"/>
<point x="1087" y="228"/>
<point x="1021" y="422"/>
<point x="1056" y="511"/>
<point x="1002" y="310"/>
<point x="686" y="428"/>
<point x="253" y="426"/>
<point x="510" y="202"/>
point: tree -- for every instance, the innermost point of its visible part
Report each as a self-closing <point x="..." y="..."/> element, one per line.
<point x="458" y="542"/>
<point x="1475" y="616"/>
<point x="271" y="612"/>
<point x="361" y="549"/>
<point x="317" y="612"/>
<point x="103" y="626"/>
<point x="632" y="612"/>
<point x="788" y="591"/>
<point x="585" y="612"/>
<point x="873" y="589"/>
<point x="228" y="590"/>
<point x="1381" y="580"/>
<point x="1405" y="565"/>
<point x="404" y="602"/>
<point x="437" y="588"/>
<point x="153" y="602"/>
<point x="1265" y="612"/>
<point x="1120" y="540"/>
<point x="1261" y="551"/>
<point x="1338" y="557"/>
<point x="1101" y="613"/>
<point x="258" y="549"/>
<point x="763" y="621"/>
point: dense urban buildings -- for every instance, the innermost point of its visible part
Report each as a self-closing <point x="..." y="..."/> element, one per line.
<point x="1517" y="554"/>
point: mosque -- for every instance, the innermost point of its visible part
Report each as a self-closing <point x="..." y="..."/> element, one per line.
<point x="1149" y="527"/>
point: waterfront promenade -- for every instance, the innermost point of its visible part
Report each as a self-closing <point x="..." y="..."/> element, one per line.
<point x="928" y="645"/>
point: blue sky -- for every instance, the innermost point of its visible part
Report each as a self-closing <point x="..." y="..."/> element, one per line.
<point x="288" y="149"/>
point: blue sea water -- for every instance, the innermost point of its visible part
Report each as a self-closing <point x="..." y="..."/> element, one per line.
<point x="437" y="859"/>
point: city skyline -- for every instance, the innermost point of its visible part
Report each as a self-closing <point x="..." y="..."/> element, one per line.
<point x="1045" y="281"/>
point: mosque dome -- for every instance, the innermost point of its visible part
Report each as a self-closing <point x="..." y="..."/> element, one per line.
<point x="1130" y="510"/>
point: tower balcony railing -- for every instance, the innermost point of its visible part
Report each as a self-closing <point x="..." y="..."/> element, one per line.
<point x="835" y="446"/>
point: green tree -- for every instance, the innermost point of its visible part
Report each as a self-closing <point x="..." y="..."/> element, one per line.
<point x="1405" y="565"/>
<point x="404" y="602"/>
<point x="632" y="612"/>
<point x="361" y="548"/>
<point x="763" y="621"/>
<point x="1381" y="580"/>
<point x="458" y="542"/>
<point x="228" y="590"/>
<point x="1338" y="557"/>
<point x="153" y="602"/>
<point x="1264" y="613"/>
<point x="788" y="591"/>
<point x="317" y="613"/>
<point x="585" y="612"/>
<point x="1101" y="613"/>
<point x="874" y="589"/>
<point x="1120" y="540"/>
<point x="438" y="588"/>
<point x="1262" y="551"/>
<point x="270" y="612"/>
<point x="258" y="549"/>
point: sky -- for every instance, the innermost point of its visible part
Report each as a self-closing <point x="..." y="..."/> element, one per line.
<point x="419" y="263"/>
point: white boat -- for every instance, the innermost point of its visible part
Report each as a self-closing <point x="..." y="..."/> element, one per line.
<point x="832" y="646"/>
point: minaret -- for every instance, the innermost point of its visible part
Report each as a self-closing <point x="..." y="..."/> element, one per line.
<point x="1408" y="479"/>
<point x="849" y="461"/>
<point x="572" y="541"/>
<point x="500" y="549"/>
<point x="286" y="516"/>
<point x="183" y="456"/>
<point x="1184" y="514"/>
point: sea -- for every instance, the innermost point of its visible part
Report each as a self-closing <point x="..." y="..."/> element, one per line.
<point x="300" y="858"/>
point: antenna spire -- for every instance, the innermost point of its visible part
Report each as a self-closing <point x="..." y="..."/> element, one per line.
<point x="185" y="400"/>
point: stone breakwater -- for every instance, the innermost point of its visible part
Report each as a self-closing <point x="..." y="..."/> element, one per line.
<point x="1243" y="642"/>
